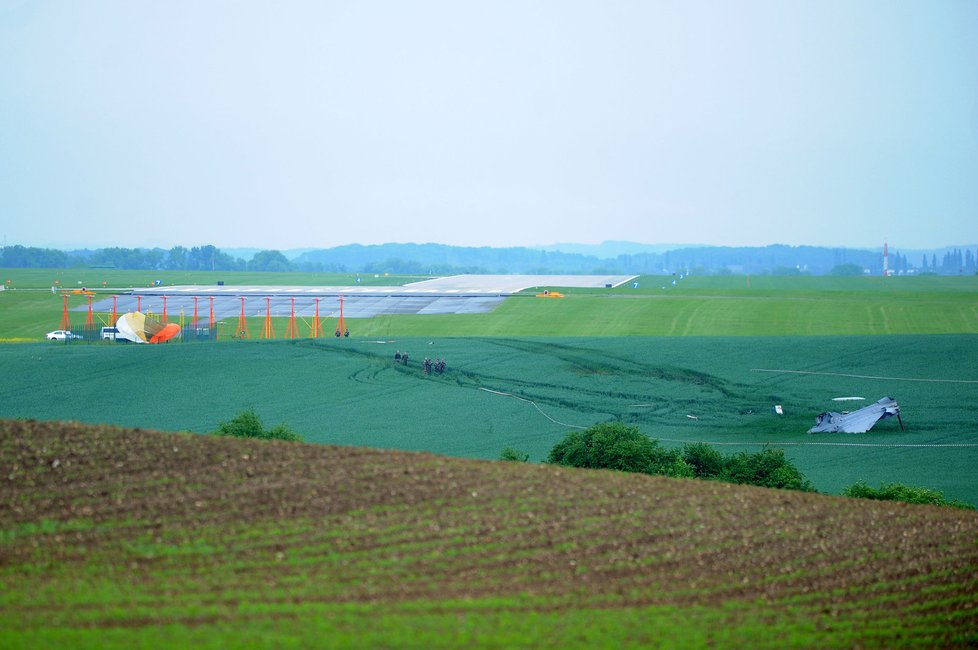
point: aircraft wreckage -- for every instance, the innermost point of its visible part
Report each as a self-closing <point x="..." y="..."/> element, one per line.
<point x="859" y="421"/>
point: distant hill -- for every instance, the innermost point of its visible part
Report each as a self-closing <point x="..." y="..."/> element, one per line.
<point x="439" y="259"/>
<point x="626" y="258"/>
<point x="117" y="538"/>
<point x="612" y="249"/>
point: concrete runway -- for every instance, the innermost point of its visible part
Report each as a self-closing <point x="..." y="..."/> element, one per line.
<point x="459" y="294"/>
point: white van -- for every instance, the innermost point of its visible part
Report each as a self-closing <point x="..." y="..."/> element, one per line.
<point x="109" y="333"/>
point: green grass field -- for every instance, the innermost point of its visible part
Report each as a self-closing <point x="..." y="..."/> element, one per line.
<point x="527" y="393"/>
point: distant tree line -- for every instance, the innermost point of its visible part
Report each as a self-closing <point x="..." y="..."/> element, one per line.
<point x="954" y="262"/>
<point x="439" y="259"/>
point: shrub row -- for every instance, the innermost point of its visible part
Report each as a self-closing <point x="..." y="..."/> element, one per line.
<point x="613" y="445"/>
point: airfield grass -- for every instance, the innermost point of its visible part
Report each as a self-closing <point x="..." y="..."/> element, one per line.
<point x="721" y="306"/>
<point x="697" y="306"/>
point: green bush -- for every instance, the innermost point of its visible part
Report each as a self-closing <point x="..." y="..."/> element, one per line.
<point x="613" y="445"/>
<point x="905" y="493"/>
<point x="704" y="459"/>
<point x="768" y="468"/>
<point x="247" y="424"/>
<point x="514" y="455"/>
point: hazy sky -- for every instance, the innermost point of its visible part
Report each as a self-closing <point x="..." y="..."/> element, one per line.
<point x="317" y="124"/>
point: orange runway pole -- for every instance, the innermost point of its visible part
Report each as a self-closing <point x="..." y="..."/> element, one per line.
<point x="193" y="323"/>
<point x="268" y="332"/>
<point x="291" y="331"/>
<point x="115" y="317"/>
<point x="65" y="322"/>
<point x="317" y="328"/>
<point x="164" y="310"/>
<point x="242" y="323"/>
<point x="89" y="321"/>
<point x="341" y="325"/>
<point x="212" y="324"/>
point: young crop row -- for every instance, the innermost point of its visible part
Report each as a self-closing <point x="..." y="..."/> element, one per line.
<point x="284" y="532"/>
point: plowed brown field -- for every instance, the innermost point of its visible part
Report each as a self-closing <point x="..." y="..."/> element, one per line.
<point x="115" y="537"/>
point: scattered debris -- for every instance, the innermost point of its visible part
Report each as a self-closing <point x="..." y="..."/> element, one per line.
<point x="859" y="421"/>
<point x="692" y="417"/>
<point x="847" y="399"/>
<point x="778" y="410"/>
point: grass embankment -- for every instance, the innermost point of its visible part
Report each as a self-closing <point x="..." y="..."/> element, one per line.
<point x="131" y="538"/>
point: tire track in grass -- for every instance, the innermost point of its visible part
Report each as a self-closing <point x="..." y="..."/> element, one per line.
<point x="598" y="362"/>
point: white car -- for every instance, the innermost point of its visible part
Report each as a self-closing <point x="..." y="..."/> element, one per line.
<point x="61" y="335"/>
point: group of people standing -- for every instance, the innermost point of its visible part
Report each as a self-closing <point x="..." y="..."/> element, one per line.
<point x="431" y="364"/>
<point x="428" y="365"/>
